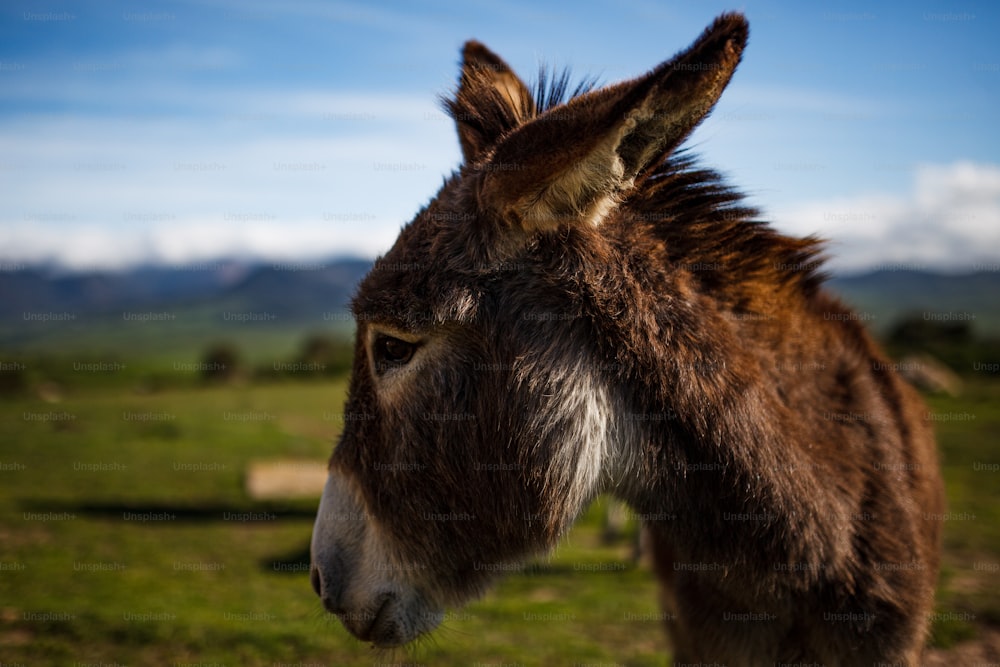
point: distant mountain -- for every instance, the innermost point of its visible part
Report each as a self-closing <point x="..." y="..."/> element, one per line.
<point x="289" y="291"/>
<point x="296" y="294"/>
<point x="39" y="290"/>
<point x="175" y="311"/>
<point x="891" y="295"/>
<point x="230" y="299"/>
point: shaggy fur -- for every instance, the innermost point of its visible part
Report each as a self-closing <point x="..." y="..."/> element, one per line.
<point x="580" y="310"/>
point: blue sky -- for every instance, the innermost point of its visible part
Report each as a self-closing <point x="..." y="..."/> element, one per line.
<point x="189" y="131"/>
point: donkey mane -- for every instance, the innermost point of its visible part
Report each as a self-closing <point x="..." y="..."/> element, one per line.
<point x="708" y="229"/>
<point x="705" y="225"/>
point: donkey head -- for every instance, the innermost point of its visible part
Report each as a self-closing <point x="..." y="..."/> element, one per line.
<point x="478" y="421"/>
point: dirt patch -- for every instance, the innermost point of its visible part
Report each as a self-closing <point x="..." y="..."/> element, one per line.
<point x="281" y="479"/>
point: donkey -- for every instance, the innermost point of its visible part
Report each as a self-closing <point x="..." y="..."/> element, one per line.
<point x="581" y="310"/>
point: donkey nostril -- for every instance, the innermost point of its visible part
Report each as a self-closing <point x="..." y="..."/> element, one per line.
<point x="330" y="603"/>
<point x="317" y="582"/>
<point x="327" y="579"/>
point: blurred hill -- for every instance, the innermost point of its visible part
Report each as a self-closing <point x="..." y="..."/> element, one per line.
<point x="167" y="310"/>
<point x="289" y="291"/>
<point x="42" y="309"/>
<point x="890" y="296"/>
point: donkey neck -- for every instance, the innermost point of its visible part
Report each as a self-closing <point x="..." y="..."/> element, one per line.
<point x="703" y="422"/>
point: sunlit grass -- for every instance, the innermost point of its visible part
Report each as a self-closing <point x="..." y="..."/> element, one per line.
<point x="124" y="537"/>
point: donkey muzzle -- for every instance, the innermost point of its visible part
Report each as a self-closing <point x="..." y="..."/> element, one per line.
<point x="355" y="579"/>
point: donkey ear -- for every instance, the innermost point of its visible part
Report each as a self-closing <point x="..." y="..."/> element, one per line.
<point x="577" y="160"/>
<point x="490" y="102"/>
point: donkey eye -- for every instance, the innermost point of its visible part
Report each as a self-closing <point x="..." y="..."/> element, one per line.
<point x="391" y="352"/>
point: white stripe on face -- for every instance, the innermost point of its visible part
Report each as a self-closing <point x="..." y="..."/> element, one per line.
<point x="598" y="448"/>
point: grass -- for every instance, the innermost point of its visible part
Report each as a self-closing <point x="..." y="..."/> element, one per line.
<point x="968" y="432"/>
<point x="126" y="537"/>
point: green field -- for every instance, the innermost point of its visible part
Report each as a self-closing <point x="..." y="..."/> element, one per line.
<point x="126" y="538"/>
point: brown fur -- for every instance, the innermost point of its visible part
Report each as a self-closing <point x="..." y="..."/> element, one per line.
<point x="590" y="312"/>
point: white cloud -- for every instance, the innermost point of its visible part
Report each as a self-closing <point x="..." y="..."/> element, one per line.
<point x="306" y="173"/>
<point x="949" y="220"/>
<point x="86" y="247"/>
<point x="91" y="192"/>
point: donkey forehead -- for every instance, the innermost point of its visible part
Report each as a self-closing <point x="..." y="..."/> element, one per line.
<point x="415" y="306"/>
<point x="438" y="269"/>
